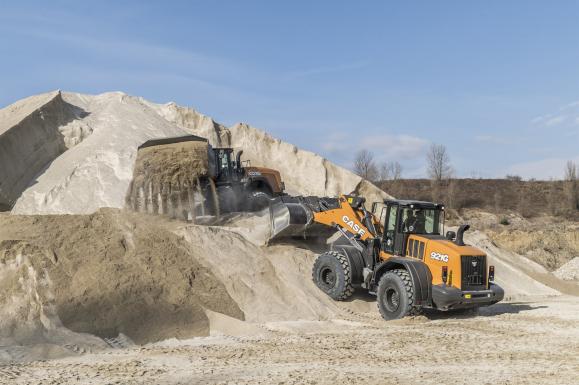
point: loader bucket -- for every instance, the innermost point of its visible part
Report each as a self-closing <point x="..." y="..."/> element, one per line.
<point x="289" y="219"/>
<point x="293" y="217"/>
<point x="172" y="177"/>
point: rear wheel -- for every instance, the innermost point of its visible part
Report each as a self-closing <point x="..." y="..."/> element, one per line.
<point x="333" y="275"/>
<point x="396" y="295"/>
<point x="227" y="199"/>
<point x="258" y="200"/>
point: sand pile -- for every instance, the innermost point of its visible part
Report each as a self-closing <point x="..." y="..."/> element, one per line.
<point x="30" y="327"/>
<point x="316" y="176"/>
<point x="569" y="271"/>
<point x="113" y="273"/>
<point x="96" y="138"/>
<point x="167" y="180"/>
<point x="149" y="278"/>
<point x="34" y="132"/>
<point x="268" y="283"/>
<point x="97" y="171"/>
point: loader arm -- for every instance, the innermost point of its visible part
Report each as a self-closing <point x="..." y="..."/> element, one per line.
<point x="356" y="221"/>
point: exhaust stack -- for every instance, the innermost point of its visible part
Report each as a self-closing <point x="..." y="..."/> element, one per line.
<point x="459" y="241"/>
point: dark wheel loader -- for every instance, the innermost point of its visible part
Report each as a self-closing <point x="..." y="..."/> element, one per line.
<point x="186" y="178"/>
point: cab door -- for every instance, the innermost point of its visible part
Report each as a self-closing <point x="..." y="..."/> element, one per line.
<point x="390" y="226"/>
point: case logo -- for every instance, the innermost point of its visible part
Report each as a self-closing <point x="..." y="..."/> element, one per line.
<point x="350" y="223"/>
<point x="439" y="257"/>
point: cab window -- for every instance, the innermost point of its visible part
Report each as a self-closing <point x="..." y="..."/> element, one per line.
<point x="421" y="221"/>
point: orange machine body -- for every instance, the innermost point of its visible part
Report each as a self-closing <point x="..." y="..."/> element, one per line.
<point x="435" y="253"/>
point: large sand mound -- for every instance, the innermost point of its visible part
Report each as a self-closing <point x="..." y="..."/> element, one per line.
<point x="78" y="173"/>
<point x="119" y="273"/>
<point x="111" y="273"/>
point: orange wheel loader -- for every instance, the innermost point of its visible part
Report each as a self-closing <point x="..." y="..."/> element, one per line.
<point x="397" y="251"/>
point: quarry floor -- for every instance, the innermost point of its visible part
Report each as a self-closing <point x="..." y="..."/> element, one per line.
<point x="508" y="343"/>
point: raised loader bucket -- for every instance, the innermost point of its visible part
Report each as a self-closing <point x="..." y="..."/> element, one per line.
<point x="172" y="177"/>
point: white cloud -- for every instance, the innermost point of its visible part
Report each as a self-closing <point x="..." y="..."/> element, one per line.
<point x="336" y="142"/>
<point x="567" y="115"/>
<point x="395" y="147"/>
<point x="544" y="169"/>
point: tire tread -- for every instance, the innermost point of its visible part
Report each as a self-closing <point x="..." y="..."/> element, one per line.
<point x="411" y="309"/>
<point x="348" y="289"/>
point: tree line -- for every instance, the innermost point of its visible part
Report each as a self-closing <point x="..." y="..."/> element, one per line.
<point x="440" y="171"/>
<point x="437" y="159"/>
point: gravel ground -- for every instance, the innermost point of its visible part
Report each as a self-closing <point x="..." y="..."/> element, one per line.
<point x="509" y="343"/>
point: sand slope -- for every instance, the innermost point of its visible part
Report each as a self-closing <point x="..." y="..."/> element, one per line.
<point x="95" y="138"/>
<point x="105" y="274"/>
<point x="34" y="132"/>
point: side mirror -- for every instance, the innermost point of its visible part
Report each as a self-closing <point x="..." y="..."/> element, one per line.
<point x="450" y="235"/>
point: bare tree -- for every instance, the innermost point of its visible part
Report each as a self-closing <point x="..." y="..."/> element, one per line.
<point x="572" y="185"/>
<point x="385" y="171"/>
<point x="365" y="166"/>
<point x="395" y="170"/>
<point x="570" y="171"/>
<point x="438" y="162"/>
<point x="390" y="171"/>
<point x="513" y="178"/>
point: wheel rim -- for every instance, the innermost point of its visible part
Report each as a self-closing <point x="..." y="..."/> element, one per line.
<point x="328" y="277"/>
<point x="391" y="299"/>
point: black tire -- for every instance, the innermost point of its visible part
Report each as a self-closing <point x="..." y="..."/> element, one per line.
<point x="333" y="275"/>
<point x="227" y="200"/>
<point x="258" y="200"/>
<point x="395" y="295"/>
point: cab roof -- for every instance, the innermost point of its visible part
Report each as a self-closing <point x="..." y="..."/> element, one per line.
<point x="415" y="204"/>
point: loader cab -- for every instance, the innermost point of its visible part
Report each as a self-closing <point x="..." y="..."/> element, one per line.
<point x="227" y="167"/>
<point x="402" y="218"/>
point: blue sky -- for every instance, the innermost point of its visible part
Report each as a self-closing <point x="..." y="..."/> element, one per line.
<point x="497" y="82"/>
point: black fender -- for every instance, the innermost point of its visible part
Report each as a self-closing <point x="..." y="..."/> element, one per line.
<point x="260" y="183"/>
<point x="419" y="272"/>
<point x="356" y="261"/>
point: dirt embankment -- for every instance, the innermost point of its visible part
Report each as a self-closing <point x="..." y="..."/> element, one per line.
<point x="113" y="272"/>
<point x="547" y="240"/>
<point x="499" y="196"/>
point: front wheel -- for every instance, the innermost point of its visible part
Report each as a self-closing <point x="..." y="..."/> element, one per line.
<point x="395" y="295"/>
<point x="333" y="275"/>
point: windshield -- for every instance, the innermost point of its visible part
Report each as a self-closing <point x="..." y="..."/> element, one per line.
<point x="422" y="221"/>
